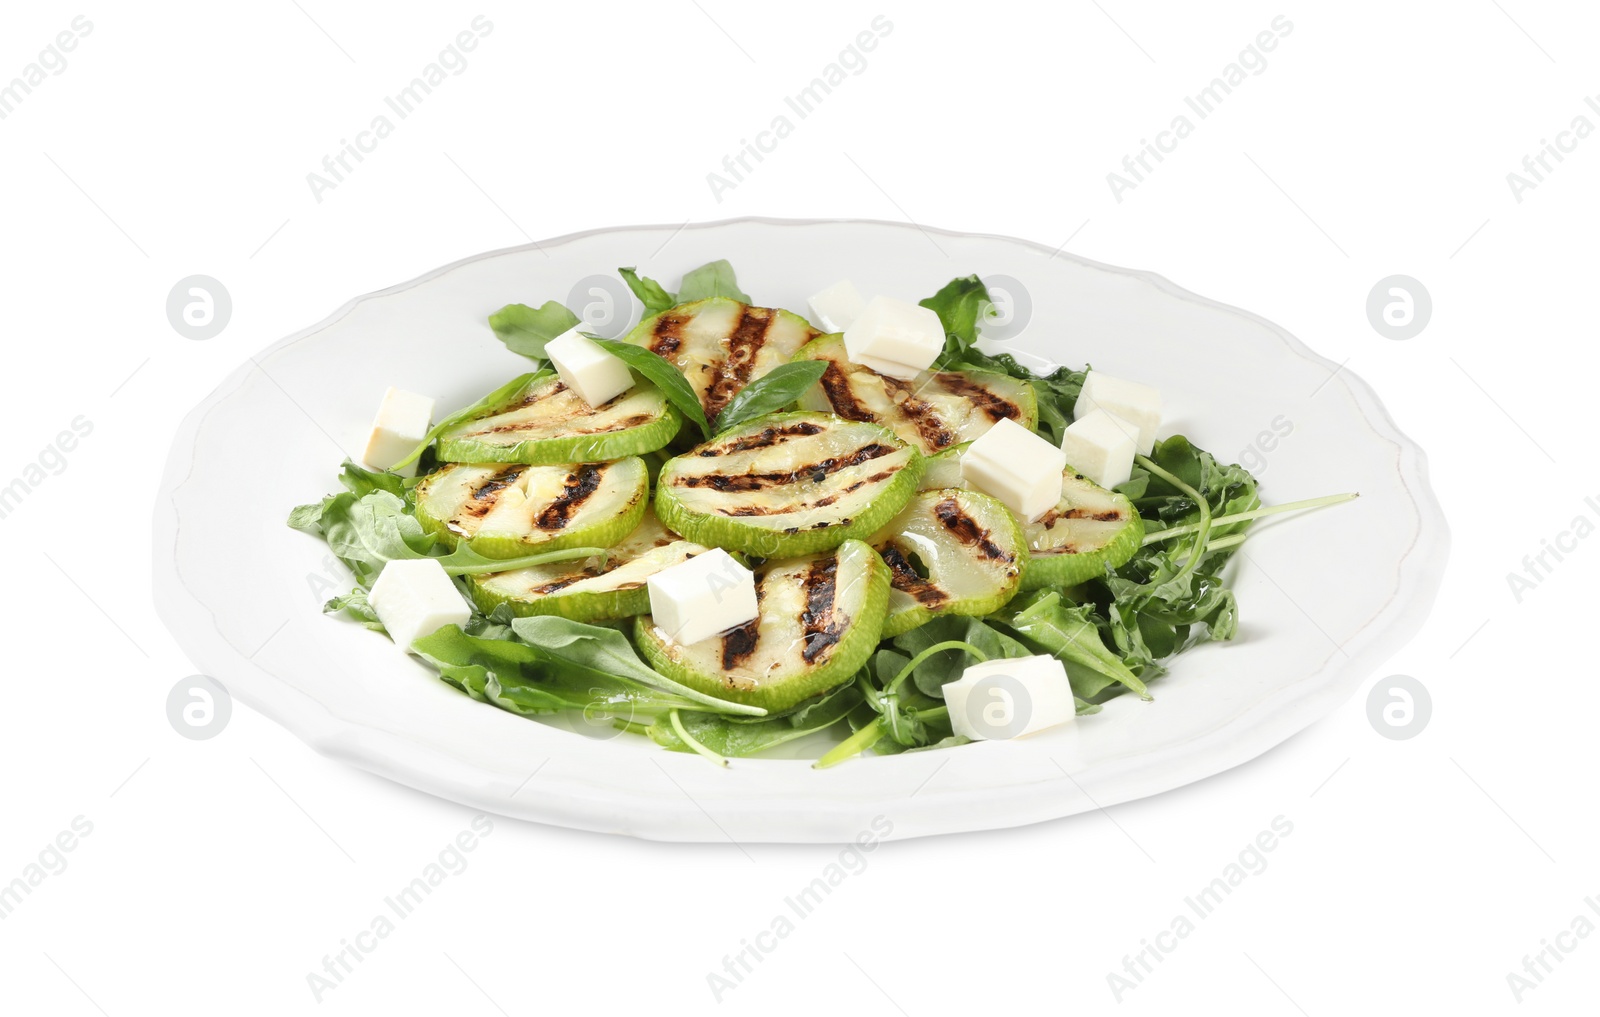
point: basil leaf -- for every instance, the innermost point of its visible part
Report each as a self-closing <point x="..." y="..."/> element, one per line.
<point x="712" y="280"/>
<point x="526" y="329"/>
<point x="771" y="392"/>
<point x="650" y="293"/>
<point x="663" y="375"/>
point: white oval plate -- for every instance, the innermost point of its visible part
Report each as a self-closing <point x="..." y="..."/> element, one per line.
<point x="1324" y="598"/>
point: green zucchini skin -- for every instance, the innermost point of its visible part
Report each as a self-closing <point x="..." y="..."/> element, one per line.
<point x="821" y="618"/>
<point x="934" y="411"/>
<point x="721" y="344"/>
<point x="943" y="469"/>
<point x="1089" y="529"/>
<point x="508" y="510"/>
<point x="971" y="547"/>
<point x="588" y="590"/>
<point x="548" y="424"/>
<point x="788" y="484"/>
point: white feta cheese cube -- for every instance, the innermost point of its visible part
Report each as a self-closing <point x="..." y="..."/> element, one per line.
<point x="415" y="598"/>
<point x="588" y="370"/>
<point x="697" y="599"/>
<point x="837" y="306"/>
<point x="401" y="424"/>
<point x="1100" y="446"/>
<point x="1016" y="466"/>
<point x="902" y="339"/>
<point x="1138" y="404"/>
<point x="1010" y="697"/>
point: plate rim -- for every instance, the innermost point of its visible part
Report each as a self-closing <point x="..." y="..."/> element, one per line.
<point x="1420" y="570"/>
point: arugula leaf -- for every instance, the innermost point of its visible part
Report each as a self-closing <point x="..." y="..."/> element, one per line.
<point x="526" y="329"/>
<point x="357" y="480"/>
<point x="528" y="680"/>
<point x="356" y="606"/>
<point x="307" y="518"/>
<point x="771" y="392"/>
<point x="947" y="665"/>
<point x="663" y="375"/>
<point x="368" y="532"/>
<point x="1228" y="489"/>
<point x="604" y="649"/>
<point x="731" y="736"/>
<point x="1157" y="604"/>
<point x="714" y="279"/>
<point x="650" y="293"/>
<point x="1071" y="635"/>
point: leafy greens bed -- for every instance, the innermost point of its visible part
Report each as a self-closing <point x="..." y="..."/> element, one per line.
<point x="550" y="516"/>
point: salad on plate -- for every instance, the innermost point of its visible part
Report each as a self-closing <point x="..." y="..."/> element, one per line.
<point x="737" y="526"/>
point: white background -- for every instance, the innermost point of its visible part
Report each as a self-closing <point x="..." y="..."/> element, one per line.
<point x="1376" y="141"/>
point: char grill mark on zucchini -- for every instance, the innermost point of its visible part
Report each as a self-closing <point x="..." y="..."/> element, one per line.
<point x="816" y="472"/>
<point x="920" y="413"/>
<point x="969" y="531"/>
<point x="1089" y="529"/>
<point x="581" y="425"/>
<point x="841" y="398"/>
<point x="721" y="344"/>
<point x="1109" y="516"/>
<point x="743" y="345"/>
<point x="994" y="407"/>
<point x="821" y="626"/>
<point x="936" y="410"/>
<point x="740" y="642"/>
<point x="904" y="578"/>
<point x="507" y="511"/>
<point x="576" y="489"/>
<point x="951" y="551"/>
<point x="766" y="438"/>
<point x="609" y="586"/>
<point x="789" y="484"/>
<point x="547" y="424"/>
<point x="666" y="334"/>
<point x="484" y="497"/>
<point x="820" y="620"/>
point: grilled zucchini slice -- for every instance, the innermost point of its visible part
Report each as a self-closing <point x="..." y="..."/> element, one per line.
<point x="949" y="552"/>
<point x="1088" y="529"/>
<point x="610" y="587"/>
<point x="944" y="469"/>
<point x="721" y="345"/>
<point x="509" y="510"/>
<point x="788" y="484"/>
<point x="547" y="424"/>
<point x="933" y="411"/>
<point x="820" y="620"/>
